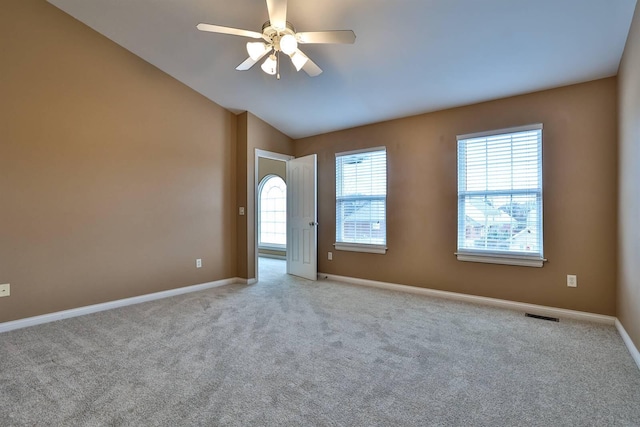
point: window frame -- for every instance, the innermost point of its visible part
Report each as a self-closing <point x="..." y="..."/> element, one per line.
<point x="501" y="257"/>
<point x="362" y="247"/>
<point x="269" y="246"/>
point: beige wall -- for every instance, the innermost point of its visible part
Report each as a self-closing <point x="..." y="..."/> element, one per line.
<point x="579" y="172"/>
<point x="629" y="182"/>
<point x="256" y="134"/>
<point x="271" y="167"/>
<point x="241" y="194"/>
<point x="114" y="177"/>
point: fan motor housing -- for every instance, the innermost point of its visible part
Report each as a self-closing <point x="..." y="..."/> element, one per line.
<point x="270" y="32"/>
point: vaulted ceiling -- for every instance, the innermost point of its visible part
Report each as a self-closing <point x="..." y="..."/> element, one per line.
<point x="410" y="56"/>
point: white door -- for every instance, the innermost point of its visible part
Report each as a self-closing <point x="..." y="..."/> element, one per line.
<point x="302" y="233"/>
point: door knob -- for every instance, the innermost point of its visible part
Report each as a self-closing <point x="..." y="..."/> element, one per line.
<point x="312" y="223"/>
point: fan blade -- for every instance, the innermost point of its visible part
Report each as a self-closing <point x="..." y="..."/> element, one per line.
<point x="311" y="68"/>
<point x="248" y="63"/>
<point x="228" y="30"/>
<point x="337" y="37"/>
<point x="277" y="13"/>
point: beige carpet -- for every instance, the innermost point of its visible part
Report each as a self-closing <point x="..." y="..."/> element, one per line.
<point x="288" y="351"/>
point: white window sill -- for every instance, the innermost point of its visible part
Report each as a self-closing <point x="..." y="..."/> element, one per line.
<point x="358" y="247"/>
<point x="506" y="259"/>
<point x="272" y="247"/>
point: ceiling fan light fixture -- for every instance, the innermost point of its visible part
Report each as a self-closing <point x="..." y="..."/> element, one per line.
<point x="280" y="36"/>
<point x="256" y="50"/>
<point x="288" y="44"/>
<point x="299" y="59"/>
<point x="269" y="65"/>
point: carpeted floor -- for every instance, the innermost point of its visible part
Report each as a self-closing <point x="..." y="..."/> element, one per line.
<point x="287" y="351"/>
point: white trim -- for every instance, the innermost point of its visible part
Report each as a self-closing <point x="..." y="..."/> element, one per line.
<point x="261" y="184"/>
<point x="273" y="247"/>
<point x="635" y="354"/>
<point x="364" y="150"/>
<point x="95" y="308"/>
<point x="501" y="259"/>
<point x="494" y="302"/>
<point x="360" y="247"/>
<point x="271" y="155"/>
<point x="251" y="281"/>
<point x="537" y="126"/>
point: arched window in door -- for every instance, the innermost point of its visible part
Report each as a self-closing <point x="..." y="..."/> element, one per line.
<point x="272" y="213"/>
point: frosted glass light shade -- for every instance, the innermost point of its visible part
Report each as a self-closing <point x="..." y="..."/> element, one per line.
<point x="299" y="59"/>
<point x="269" y="65"/>
<point x="288" y="44"/>
<point x="256" y="50"/>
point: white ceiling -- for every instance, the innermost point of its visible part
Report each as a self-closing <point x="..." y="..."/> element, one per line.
<point x="410" y="56"/>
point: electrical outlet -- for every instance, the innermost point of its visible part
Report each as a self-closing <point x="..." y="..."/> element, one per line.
<point x="330" y="255"/>
<point x="5" y="290"/>
<point x="241" y="210"/>
<point x="572" y="280"/>
<point x="198" y="263"/>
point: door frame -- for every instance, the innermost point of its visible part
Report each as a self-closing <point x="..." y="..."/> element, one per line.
<point x="267" y="155"/>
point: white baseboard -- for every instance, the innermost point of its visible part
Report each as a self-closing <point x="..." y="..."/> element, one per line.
<point x="635" y="354"/>
<point x="511" y="305"/>
<point x="81" y="311"/>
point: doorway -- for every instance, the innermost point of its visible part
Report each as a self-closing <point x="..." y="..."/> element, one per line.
<point x="270" y="215"/>
<point x="300" y="214"/>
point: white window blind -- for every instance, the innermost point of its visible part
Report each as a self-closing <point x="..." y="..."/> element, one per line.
<point x="500" y="196"/>
<point x="361" y="200"/>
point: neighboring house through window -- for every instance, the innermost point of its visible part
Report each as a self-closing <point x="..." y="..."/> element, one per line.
<point x="361" y="200"/>
<point x="272" y="208"/>
<point x="500" y="196"/>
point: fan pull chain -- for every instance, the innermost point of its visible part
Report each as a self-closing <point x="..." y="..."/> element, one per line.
<point x="278" y="65"/>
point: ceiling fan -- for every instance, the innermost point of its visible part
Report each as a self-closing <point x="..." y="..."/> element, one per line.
<point x="280" y="36"/>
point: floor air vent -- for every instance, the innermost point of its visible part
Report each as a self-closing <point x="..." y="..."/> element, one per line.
<point x="537" y="316"/>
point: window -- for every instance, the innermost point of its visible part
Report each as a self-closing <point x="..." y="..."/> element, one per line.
<point x="272" y="208"/>
<point x="500" y="197"/>
<point x="361" y="200"/>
